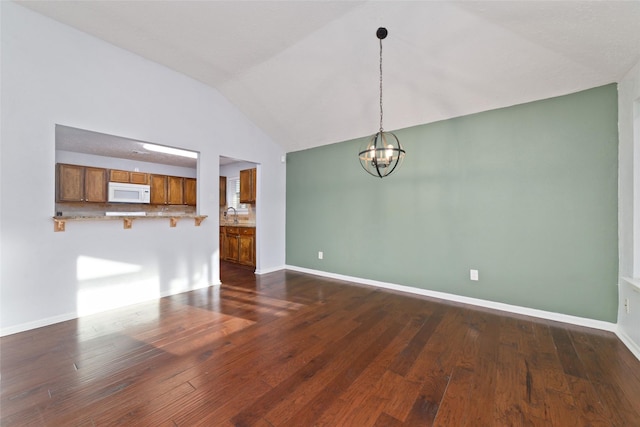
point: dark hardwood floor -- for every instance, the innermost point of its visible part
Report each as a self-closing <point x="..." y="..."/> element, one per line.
<point x="291" y="349"/>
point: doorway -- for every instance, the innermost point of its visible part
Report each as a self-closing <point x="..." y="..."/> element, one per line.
<point x="238" y="212"/>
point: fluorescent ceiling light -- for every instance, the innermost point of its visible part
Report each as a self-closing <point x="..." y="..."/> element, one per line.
<point x="169" y="150"/>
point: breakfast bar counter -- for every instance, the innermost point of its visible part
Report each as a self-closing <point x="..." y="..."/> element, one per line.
<point x="59" y="222"/>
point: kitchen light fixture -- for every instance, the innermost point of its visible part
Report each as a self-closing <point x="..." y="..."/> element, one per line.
<point x="170" y="150"/>
<point x="382" y="154"/>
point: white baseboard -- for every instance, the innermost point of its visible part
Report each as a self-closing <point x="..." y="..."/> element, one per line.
<point x="70" y="316"/>
<point x="269" y="270"/>
<point x="631" y="345"/>
<point x="558" y="317"/>
<point x="37" y="324"/>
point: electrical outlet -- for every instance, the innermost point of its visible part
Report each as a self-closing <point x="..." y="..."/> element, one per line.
<point x="627" y="309"/>
<point x="320" y="255"/>
<point x="473" y="275"/>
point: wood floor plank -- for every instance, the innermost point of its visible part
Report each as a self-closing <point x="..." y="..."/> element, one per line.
<point x="443" y="349"/>
<point x="571" y="363"/>
<point x="562" y="410"/>
<point x="435" y="365"/>
<point x="483" y="387"/>
<point x="367" y="414"/>
<point x="313" y="409"/>
<point x="426" y="406"/>
<point x="289" y="348"/>
<point x="405" y="360"/>
<point x="455" y="403"/>
<point x="548" y="362"/>
<point x="535" y="377"/>
<point x="590" y="408"/>
<point x="372" y="380"/>
<point x="511" y="379"/>
<point x="609" y="372"/>
<point x="399" y="394"/>
<point x="309" y="380"/>
<point x="386" y="420"/>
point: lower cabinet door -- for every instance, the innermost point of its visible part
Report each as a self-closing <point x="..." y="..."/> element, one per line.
<point x="238" y="244"/>
<point x="231" y="246"/>
<point x="246" y="251"/>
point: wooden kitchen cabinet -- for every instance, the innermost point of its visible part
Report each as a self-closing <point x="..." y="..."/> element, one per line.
<point x="76" y="183"/>
<point x="175" y="190"/>
<point x="158" y="190"/>
<point x="248" y="185"/>
<point x="239" y="245"/>
<point x="118" y="176"/>
<point x="95" y="185"/>
<point x="223" y="191"/>
<point x="81" y="184"/>
<point x="190" y="191"/>
<point x="128" y="177"/>
<point x="222" y="242"/>
<point x="167" y="190"/>
<point x="247" y="246"/>
<point x="70" y="183"/>
<point x="139" y="178"/>
<point x="230" y="242"/>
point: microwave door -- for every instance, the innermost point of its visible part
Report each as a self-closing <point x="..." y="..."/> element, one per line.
<point x="126" y="195"/>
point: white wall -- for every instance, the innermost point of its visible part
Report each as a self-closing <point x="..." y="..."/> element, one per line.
<point x="232" y="170"/>
<point x="52" y="74"/>
<point x="629" y="208"/>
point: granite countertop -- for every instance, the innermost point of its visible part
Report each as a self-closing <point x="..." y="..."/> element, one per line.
<point x="240" y="224"/>
<point x="121" y="215"/>
<point x="60" y="221"/>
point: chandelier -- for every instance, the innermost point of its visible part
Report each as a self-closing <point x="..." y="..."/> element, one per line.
<point x="382" y="153"/>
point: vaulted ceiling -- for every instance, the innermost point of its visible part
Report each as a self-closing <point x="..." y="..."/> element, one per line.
<point x="306" y="72"/>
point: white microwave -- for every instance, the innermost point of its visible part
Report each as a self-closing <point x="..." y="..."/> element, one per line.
<point x="129" y="193"/>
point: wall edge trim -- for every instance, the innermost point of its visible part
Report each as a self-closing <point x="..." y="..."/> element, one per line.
<point x="47" y="321"/>
<point x="627" y="341"/>
<point x="269" y="270"/>
<point x="10" y="330"/>
<point x="542" y="314"/>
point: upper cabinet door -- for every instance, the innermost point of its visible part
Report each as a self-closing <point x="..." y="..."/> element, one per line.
<point x="158" y="190"/>
<point x="128" y="177"/>
<point x="81" y="184"/>
<point x="118" y="176"/>
<point x="175" y="190"/>
<point x="190" y="191"/>
<point x="223" y="191"/>
<point x="139" y="178"/>
<point x="95" y="185"/>
<point x="248" y="186"/>
<point x="70" y="186"/>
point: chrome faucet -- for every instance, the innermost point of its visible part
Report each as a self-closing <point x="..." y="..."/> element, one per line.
<point x="235" y="214"/>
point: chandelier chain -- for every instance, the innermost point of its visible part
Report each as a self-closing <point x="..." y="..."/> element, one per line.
<point x="381" y="86"/>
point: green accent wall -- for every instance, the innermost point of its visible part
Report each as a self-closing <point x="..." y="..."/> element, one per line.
<point x="527" y="195"/>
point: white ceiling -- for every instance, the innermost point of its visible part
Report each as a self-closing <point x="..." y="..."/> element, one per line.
<point x="306" y="72"/>
<point x="101" y="144"/>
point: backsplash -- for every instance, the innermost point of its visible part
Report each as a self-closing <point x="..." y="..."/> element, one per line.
<point x="96" y="209"/>
<point x="248" y="218"/>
